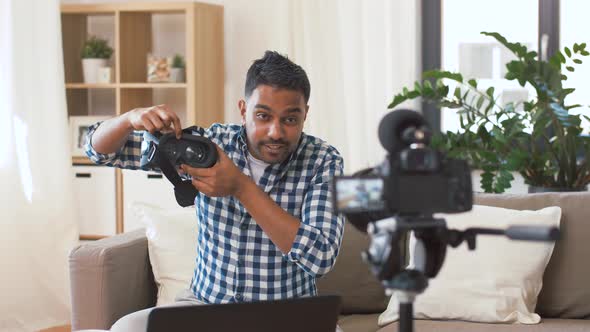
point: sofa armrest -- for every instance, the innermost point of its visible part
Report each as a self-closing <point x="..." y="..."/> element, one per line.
<point x="109" y="279"/>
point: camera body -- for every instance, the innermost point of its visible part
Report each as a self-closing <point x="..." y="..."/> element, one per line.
<point x="414" y="180"/>
<point x="424" y="181"/>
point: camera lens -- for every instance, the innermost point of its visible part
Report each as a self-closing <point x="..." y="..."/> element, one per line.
<point x="194" y="153"/>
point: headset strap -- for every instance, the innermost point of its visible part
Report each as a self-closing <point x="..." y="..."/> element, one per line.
<point x="184" y="191"/>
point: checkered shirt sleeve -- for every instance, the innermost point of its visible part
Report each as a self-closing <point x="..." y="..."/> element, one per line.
<point x="318" y="239"/>
<point x="127" y="157"/>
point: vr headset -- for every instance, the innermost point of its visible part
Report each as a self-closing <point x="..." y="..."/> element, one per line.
<point x="166" y="152"/>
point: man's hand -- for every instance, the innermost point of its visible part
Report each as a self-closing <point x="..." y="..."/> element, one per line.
<point x="112" y="134"/>
<point x="155" y="118"/>
<point x="223" y="179"/>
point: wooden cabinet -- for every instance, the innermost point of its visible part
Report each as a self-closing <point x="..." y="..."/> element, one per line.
<point x="135" y="30"/>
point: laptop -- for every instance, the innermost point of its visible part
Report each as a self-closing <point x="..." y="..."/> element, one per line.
<point x="306" y="314"/>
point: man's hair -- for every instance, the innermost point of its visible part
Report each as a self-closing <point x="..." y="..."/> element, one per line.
<point x="277" y="71"/>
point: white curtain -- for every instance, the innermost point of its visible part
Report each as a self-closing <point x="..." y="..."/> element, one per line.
<point x="37" y="226"/>
<point x="358" y="55"/>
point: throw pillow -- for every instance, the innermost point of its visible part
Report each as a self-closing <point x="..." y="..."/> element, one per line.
<point x="172" y="239"/>
<point x="498" y="282"/>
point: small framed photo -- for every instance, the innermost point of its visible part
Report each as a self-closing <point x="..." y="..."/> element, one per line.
<point x="79" y="128"/>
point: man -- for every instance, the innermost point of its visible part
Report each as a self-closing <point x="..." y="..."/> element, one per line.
<point x="266" y="225"/>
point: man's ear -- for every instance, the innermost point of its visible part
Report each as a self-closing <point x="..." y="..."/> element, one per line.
<point x="242" y="107"/>
<point x="306" y="110"/>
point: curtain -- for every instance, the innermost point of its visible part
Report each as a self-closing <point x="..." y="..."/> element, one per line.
<point x="37" y="226"/>
<point x="358" y="55"/>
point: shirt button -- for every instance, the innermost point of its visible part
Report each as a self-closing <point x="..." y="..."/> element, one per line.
<point x="244" y="226"/>
<point x="238" y="297"/>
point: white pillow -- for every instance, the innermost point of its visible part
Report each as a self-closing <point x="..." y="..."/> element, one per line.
<point x="172" y="241"/>
<point x="498" y="282"/>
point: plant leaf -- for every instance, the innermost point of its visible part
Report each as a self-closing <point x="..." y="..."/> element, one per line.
<point x="397" y="99"/>
<point x="439" y="74"/>
<point x="490" y="92"/>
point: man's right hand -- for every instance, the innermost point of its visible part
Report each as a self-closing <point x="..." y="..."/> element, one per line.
<point x="112" y="134"/>
<point x="155" y="118"/>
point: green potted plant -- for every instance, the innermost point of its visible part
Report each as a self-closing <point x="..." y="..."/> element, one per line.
<point x="177" y="70"/>
<point x="537" y="138"/>
<point x="95" y="54"/>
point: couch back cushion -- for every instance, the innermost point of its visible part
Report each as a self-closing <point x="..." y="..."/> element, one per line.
<point x="566" y="287"/>
<point x="350" y="278"/>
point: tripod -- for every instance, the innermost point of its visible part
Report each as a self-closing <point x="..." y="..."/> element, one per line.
<point x="387" y="261"/>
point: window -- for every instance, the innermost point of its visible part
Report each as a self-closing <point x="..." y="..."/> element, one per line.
<point x="574" y="28"/>
<point x="451" y="32"/>
<point x="466" y="50"/>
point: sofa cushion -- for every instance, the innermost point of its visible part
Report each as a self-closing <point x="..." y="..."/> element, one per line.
<point x="172" y="236"/>
<point x="566" y="290"/>
<point x="350" y="278"/>
<point x="498" y="282"/>
<point x="547" y="325"/>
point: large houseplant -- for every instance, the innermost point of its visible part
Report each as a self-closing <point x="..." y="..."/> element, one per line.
<point x="540" y="139"/>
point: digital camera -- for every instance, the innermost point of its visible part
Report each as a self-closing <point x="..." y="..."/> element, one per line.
<point x="413" y="180"/>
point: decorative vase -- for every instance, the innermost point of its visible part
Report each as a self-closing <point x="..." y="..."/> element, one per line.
<point x="535" y="190"/>
<point x="90" y="69"/>
<point x="177" y="75"/>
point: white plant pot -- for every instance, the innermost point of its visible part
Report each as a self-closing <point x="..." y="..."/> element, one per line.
<point x="90" y="69"/>
<point x="177" y="75"/>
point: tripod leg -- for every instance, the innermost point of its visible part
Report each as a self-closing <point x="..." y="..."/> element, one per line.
<point x="406" y="317"/>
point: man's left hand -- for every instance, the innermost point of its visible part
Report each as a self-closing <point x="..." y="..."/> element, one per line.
<point x="222" y="179"/>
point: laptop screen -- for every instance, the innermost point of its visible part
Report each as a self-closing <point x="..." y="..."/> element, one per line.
<point x="307" y="314"/>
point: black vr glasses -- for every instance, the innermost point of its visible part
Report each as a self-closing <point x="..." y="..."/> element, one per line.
<point x="166" y="152"/>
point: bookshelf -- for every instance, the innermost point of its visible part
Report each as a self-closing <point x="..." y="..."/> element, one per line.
<point x="133" y="31"/>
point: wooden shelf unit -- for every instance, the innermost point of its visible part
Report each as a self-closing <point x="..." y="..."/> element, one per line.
<point x="132" y="26"/>
<point x="133" y="41"/>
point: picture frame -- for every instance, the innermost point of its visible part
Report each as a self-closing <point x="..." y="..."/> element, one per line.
<point x="78" y="129"/>
<point x="158" y="69"/>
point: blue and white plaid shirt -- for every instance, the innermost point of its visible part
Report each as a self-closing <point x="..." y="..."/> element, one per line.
<point x="236" y="261"/>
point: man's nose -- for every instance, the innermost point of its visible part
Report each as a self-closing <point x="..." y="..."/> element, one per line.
<point x="275" y="131"/>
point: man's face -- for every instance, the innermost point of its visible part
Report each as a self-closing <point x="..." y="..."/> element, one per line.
<point x="273" y="119"/>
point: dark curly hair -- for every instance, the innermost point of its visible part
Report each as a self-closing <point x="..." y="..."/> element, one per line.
<point x="278" y="71"/>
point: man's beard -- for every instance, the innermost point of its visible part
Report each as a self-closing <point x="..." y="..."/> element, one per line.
<point x="276" y="150"/>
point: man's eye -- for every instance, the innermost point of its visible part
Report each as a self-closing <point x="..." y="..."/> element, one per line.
<point x="262" y="116"/>
<point x="292" y="120"/>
